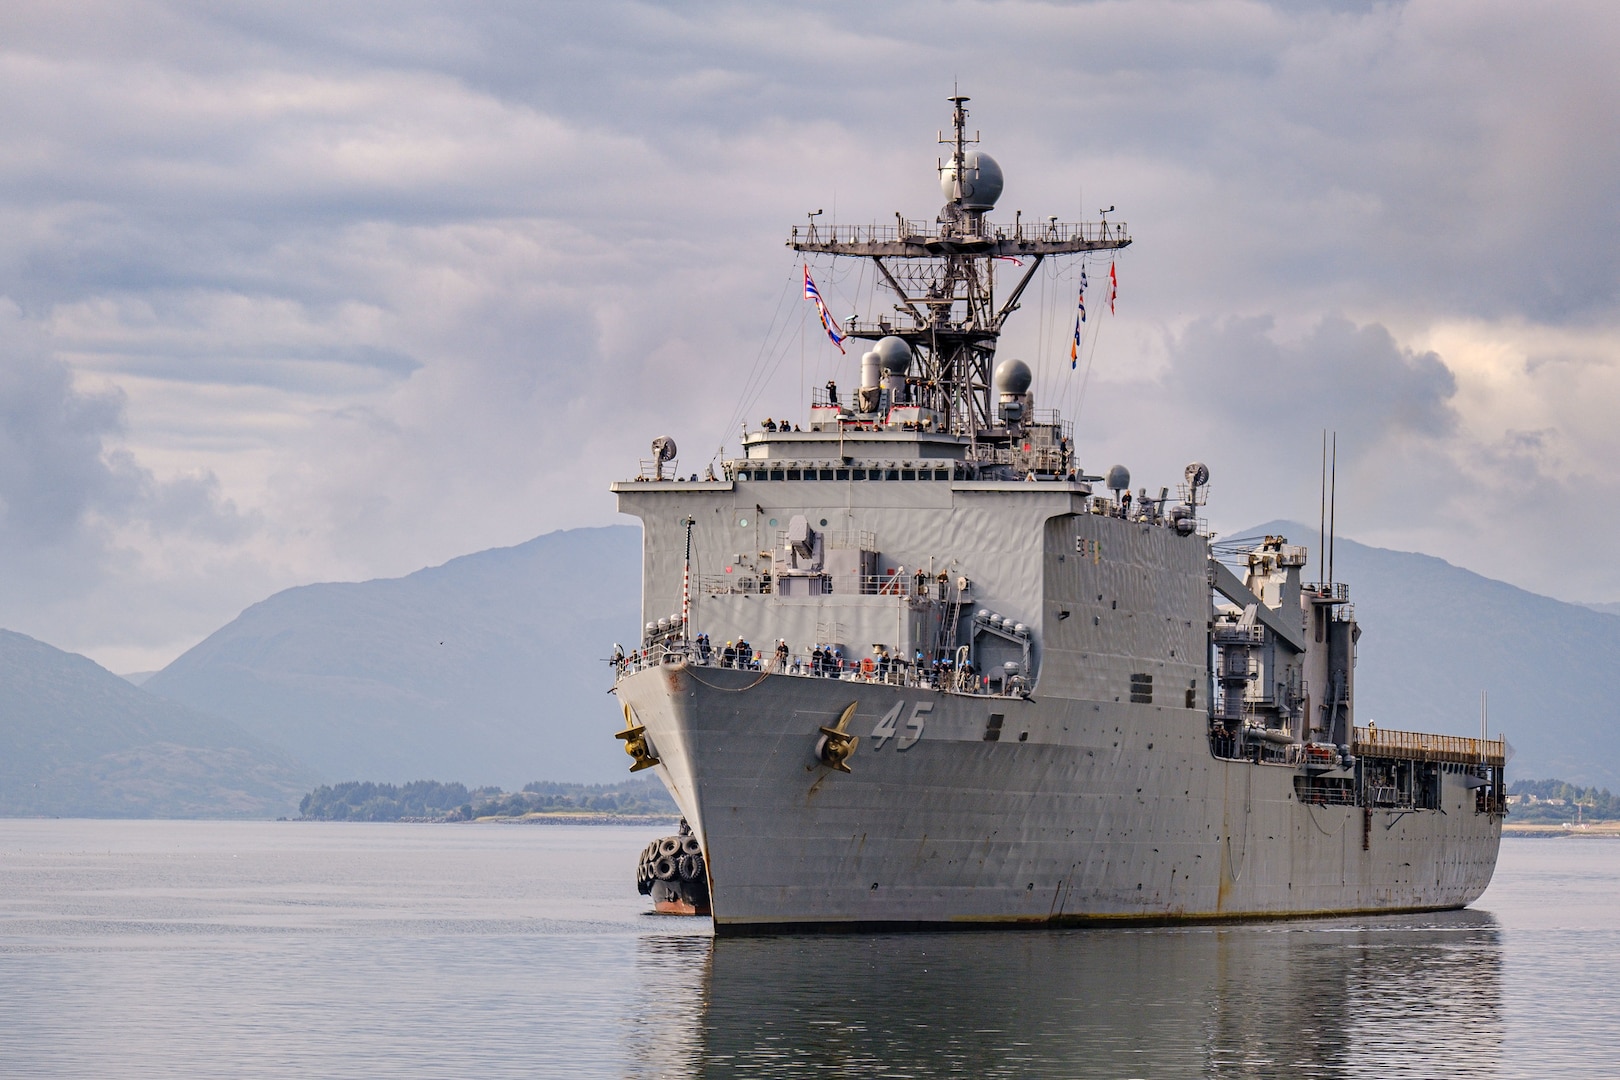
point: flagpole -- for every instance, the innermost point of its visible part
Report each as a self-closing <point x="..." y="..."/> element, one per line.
<point x="686" y="584"/>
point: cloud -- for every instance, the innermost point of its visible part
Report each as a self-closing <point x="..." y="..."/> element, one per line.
<point x="1339" y="375"/>
<point x="52" y="471"/>
<point x="337" y="292"/>
<point x="75" y="508"/>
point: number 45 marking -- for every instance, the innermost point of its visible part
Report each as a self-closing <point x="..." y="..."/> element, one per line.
<point x="886" y="727"/>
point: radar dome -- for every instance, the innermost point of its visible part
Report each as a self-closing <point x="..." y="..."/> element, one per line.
<point x="981" y="181"/>
<point x="1013" y="377"/>
<point x="894" y="354"/>
<point x="1119" y="478"/>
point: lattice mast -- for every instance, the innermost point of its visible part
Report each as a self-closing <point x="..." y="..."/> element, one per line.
<point x="943" y="277"/>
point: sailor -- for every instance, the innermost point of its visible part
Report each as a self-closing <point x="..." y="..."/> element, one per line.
<point x="781" y="654"/>
<point x="708" y="474"/>
<point x="832" y="392"/>
<point x="703" y="649"/>
<point x="769" y="424"/>
<point x="728" y="655"/>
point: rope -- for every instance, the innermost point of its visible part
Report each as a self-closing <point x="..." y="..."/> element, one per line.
<point x="727" y="689"/>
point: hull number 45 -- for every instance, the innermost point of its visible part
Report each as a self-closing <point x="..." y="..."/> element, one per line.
<point x="889" y="727"/>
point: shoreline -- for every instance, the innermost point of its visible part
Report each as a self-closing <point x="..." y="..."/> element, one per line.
<point x="1550" y="830"/>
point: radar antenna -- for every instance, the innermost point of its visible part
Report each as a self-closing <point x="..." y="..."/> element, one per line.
<point x="942" y="275"/>
<point x="663" y="449"/>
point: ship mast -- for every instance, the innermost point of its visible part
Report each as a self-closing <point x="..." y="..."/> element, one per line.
<point x="942" y="276"/>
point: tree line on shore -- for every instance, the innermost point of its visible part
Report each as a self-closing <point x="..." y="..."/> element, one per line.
<point x="430" y="800"/>
<point x="1555" y="800"/>
<point x="643" y="796"/>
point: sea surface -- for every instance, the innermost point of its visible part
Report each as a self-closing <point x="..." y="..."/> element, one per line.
<point x="292" y="949"/>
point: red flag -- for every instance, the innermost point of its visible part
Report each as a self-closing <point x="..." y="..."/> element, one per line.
<point x="1113" y="287"/>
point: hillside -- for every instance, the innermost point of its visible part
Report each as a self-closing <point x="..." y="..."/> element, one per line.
<point x="488" y="667"/>
<point x="78" y="741"/>
<point x="1434" y="635"/>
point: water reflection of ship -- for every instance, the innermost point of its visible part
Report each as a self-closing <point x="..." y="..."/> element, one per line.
<point x="1396" y="996"/>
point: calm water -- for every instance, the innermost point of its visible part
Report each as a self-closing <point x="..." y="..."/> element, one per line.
<point x="137" y="949"/>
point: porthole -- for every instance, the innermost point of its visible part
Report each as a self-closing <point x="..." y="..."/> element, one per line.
<point x="742" y="523"/>
<point x="773" y="523"/>
<point x="823" y="523"/>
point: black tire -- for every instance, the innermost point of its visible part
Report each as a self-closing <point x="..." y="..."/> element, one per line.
<point x="665" y="869"/>
<point x="690" y="846"/>
<point x="691" y="867"/>
<point x="669" y="845"/>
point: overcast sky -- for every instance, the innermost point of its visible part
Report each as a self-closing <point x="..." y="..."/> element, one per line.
<point x="297" y="292"/>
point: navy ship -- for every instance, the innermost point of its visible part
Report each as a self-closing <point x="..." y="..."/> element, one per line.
<point x="906" y="663"/>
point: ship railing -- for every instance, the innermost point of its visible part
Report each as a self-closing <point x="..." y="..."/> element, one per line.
<point x="658" y="469"/>
<point x="1374" y="741"/>
<point x="844" y="539"/>
<point x="923" y="231"/>
<point x="897" y="672"/>
<point x="738" y="582"/>
<point x="851" y="539"/>
<point x="655" y="655"/>
<point x="901" y="585"/>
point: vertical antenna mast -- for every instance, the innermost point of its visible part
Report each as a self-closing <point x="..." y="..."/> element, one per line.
<point x="1321" y="517"/>
<point x="1333" y="503"/>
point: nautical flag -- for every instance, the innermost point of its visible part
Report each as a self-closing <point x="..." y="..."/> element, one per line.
<point x="1080" y="318"/>
<point x="827" y="322"/>
<point x="1009" y="258"/>
<point x="1113" y="287"/>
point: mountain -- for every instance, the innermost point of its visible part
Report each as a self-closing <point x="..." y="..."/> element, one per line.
<point x="1609" y="608"/>
<point x="78" y="741"/>
<point x="488" y="669"/>
<point x="1434" y="635"/>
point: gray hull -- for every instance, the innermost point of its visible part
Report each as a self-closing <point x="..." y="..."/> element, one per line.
<point x="1081" y="811"/>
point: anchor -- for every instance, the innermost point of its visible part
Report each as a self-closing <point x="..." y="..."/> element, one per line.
<point x="836" y="745"/>
<point x="635" y="742"/>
